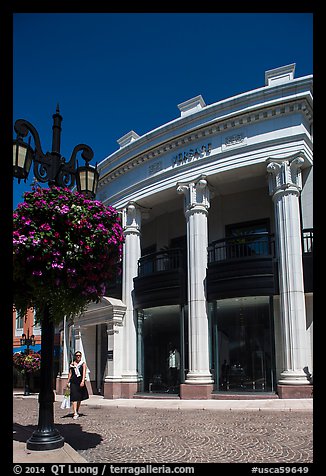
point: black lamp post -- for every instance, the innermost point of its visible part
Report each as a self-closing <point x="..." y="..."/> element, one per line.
<point x="50" y="168"/>
<point x="28" y="341"/>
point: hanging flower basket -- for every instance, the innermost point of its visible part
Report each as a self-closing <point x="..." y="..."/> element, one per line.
<point x="27" y="363"/>
<point x="67" y="249"/>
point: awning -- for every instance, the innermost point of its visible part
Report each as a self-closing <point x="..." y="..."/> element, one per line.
<point x="106" y="310"/>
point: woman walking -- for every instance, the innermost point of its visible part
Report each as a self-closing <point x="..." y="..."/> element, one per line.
<point x="76" y="379"/>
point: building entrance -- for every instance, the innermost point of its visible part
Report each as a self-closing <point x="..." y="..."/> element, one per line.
<point x="160" y="353"/>
<point x="243" y="344"/>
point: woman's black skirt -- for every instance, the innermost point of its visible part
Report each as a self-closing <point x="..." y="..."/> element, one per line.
<point x="78" y="393"/>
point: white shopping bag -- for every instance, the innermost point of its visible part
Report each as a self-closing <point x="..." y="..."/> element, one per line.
<point x="65" y="402"/>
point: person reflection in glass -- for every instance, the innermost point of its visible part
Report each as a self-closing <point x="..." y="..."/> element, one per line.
<point x="225" y="375"/>
<point x="173" y="365"/>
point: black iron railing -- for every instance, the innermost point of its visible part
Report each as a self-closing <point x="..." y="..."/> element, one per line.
<point x="255" y="245"/>
<point x="243" y="246"/>
<point x="165" y="260"/>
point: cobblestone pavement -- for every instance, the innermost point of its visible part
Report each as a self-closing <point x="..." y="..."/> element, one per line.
<point x="149" y="435"/>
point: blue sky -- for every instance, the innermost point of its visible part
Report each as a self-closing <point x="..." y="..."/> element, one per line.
<point x="116" y="72"/>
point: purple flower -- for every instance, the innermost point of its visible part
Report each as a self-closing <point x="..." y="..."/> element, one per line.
<point x="101" y="227"/>
<point x="63" y="210"/>
<point x="37" y="273"/>
<point x="57" y="265"/>
<point x="45" y="227"/>
<point x="91" y="289"/>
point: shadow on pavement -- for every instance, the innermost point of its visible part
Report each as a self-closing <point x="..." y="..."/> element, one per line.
<point x="72" y="433"/>
<point x="22" y="433"/>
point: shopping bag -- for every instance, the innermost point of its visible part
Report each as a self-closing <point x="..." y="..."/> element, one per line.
<point x="65" y="402"/>
<point x="67" y="391"/>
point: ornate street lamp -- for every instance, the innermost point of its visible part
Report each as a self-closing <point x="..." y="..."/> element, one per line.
<point x="51" y="168"/>
<point x="28" y="341"/>
<point x="87" y="180"/>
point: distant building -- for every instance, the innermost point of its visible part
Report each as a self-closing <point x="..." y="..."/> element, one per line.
<point x="217" y="211"/>
<point x="29" y="326"/>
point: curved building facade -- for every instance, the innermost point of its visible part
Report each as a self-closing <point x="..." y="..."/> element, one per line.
<point x="215" y="298"/>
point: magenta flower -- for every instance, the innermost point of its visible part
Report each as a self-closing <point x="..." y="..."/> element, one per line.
<point x="45" y="227"/>
<point x="74" y="244"/>
<point x="37" y="273"/>
<point x="58" y="265"/>
<point x="63" y="210"/>
<point x="27" y="363"/>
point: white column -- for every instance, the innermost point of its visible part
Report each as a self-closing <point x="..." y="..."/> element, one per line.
<point x="285" y="187"/>
<point x="131" y="254"/>
<point x="115" y="342"/>
<point x="196" y="210"/>
<point x="65" y="350"/>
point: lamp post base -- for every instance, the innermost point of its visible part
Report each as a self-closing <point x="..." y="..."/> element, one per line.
<point x="41" y="441"/>
<point x="46" y="436"/>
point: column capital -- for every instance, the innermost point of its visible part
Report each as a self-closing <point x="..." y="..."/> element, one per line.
<point x="131" y="218"/>
<point x="285" y="175"/>
<point x="196" y="194"/>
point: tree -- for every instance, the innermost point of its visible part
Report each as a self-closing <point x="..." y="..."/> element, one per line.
<point x="66" y="250"/>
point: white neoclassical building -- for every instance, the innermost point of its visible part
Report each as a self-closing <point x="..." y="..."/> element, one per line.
<point x="215" y="297"/>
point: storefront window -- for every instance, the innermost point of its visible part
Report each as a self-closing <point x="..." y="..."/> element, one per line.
<point x="243" y="344"/>
<point x="247" y="239"/>
<point x="19" y="322"/>
<point x="160" y="349"/>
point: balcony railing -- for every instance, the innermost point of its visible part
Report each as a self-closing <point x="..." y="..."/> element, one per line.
<point x="244" y="246"/>
<point x="165" y="260"/>
<point x="256" y="245"/>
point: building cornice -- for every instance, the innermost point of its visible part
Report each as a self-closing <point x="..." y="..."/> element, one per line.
<point x="301" y="102"/>
<point x="257" y="97"/>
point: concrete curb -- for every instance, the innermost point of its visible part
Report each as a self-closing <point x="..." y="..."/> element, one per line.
<point x="66" y="454"/>
<point x="254" y="404"/>
<point x="261" y="404"/>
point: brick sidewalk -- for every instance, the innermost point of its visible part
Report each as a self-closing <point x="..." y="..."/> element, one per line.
<point x="118" y="434"/>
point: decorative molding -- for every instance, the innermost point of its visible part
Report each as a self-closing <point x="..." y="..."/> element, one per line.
<point x="196" y="194"/>
<point x="107" y="310"/>
<point x="233" y="140"/>
<point x="279" y="75"/>
<point x="285" y="174"/>
<point x="127" y="138"/>
<point x="191" y="105"/>
<point x="239" y="139"/>
<point x="131" y="219"/>
<point x="238" y="120"/>
<point x="155" y="167"/>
